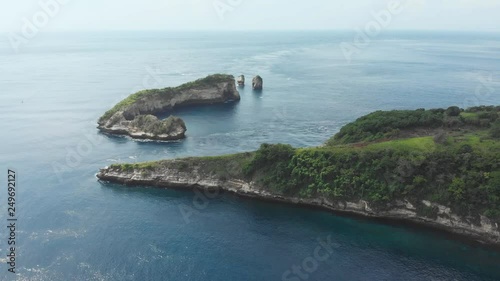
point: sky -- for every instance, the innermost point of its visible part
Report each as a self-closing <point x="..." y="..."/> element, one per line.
<point x="104" y="15"/>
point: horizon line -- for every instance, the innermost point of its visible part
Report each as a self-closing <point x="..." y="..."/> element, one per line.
<point x="261" y="30"/>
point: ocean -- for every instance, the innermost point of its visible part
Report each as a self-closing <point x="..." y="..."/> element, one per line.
<point x="72" y="227"/>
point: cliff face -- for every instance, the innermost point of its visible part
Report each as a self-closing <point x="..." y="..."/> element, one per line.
<point x="257" y="83"/>
<point x="186" y="175"/>
<point x="135" y="116"/>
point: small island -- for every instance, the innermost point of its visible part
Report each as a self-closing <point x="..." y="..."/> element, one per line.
<point x="136" y="116"/>
<point x="437" y="167"/>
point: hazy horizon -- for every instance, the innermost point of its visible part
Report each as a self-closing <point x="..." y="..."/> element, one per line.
<point x="248" y="15"/>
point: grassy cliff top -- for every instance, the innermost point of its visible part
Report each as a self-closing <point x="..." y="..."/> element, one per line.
<point x="208" y="81"/>
<point x="382" y="125"/>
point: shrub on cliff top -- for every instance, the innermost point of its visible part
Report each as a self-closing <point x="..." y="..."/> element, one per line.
<point x="268" y="155"/>
<point x="495" y="130"/>
<point x="453" y="111"/>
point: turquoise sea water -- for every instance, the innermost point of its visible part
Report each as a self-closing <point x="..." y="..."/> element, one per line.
<point x="71" y="227"/>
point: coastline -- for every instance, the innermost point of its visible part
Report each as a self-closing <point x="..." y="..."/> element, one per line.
<point x="403" y="214"/>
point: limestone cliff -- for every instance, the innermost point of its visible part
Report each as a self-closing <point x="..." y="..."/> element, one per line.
<point x="136" y="115"/>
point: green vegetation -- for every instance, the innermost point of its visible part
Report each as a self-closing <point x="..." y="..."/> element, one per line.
<point x="453" y="111"/>
<point x="421" y="144"/>
<point x="464" y="175"/>
<point x="495" y="130"/>
<point x="385" y="125"/>
<point x="132" y="99"/>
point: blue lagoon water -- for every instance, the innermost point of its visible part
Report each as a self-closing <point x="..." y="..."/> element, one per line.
<point x="71" y="227"/>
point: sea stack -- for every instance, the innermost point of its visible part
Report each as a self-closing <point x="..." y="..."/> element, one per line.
<point x="257" y="83"/>
<point x="241" y="80"/>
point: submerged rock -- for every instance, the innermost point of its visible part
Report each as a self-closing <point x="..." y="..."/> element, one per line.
<point x="135" y="116"/>
<point x="257" y="83"/>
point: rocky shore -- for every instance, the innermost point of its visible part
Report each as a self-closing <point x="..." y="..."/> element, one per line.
<point x="186" y="174"/>
<point x="136" y="116"/>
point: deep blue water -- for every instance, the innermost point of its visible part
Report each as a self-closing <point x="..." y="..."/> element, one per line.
<point x="71" y="227"/>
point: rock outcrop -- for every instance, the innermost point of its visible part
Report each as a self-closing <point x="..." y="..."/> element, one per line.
<point x="146" y="127"/>
<point x="241" y="80"/>
<point x="257" y="83"/>
<point x="188" y="174"/>
<point x="136" y="115"/>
